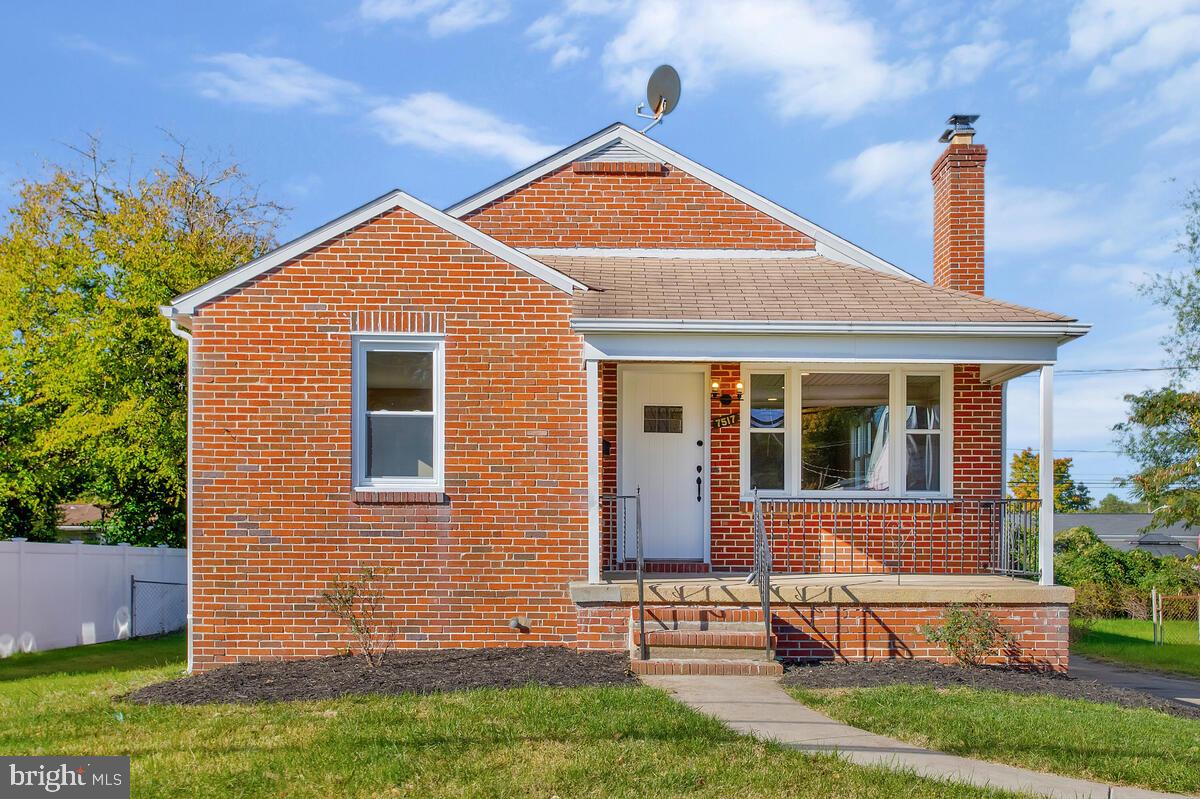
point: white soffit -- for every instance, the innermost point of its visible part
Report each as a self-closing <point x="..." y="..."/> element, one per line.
<point x="828" y="244"/>
<point x="186" y="304"/>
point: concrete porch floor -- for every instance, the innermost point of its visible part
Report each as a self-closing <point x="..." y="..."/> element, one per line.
<point x="824" y="589"/>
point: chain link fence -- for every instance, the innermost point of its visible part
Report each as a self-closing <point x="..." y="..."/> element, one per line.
<point x="1176" y="618"/>
<point x="156" y="607"/>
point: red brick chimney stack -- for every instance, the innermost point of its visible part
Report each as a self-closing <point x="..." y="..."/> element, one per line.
<point x="958" y="208"/>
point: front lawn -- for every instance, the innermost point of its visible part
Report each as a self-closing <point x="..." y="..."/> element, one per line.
<point x="1131" y="641"/>
<point x="539" y="742"/>
<point x="1072" y="737"/>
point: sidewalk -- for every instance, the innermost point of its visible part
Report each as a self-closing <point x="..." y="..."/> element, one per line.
<point x="1165" y="686"/>
<point x="758" y="706"/>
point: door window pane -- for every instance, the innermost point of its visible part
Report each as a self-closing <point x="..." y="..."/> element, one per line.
<point x="924" y="458"/>
<point x="844" y="437"/>
<point x="399" y="446"/>
<point x="924" y="399"/>
<point x="399" y="381"/>
<point x="766" y="401"/>
<point x="766" y="461"/>
<point x="662" y="418"/>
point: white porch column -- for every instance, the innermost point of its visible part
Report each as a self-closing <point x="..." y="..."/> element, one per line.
<point x="592" y="371"/>
<point x="1046" y="477"/>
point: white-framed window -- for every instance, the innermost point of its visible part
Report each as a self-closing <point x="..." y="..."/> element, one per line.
<point x="399" y="412"/>
<point x="846" y="430"/>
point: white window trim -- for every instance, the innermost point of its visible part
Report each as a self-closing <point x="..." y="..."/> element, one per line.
<point x="793" y="391"/>
<point x="408" y="342"/>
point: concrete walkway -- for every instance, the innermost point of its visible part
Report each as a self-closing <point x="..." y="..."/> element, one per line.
<point x="1175" y="689"/>
<point x="758" y="706"/>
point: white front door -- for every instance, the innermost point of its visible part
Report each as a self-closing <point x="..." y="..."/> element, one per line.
<point x="662" y="450"/>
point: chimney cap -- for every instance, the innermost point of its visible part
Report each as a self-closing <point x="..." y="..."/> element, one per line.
<point x="960" y="125"/>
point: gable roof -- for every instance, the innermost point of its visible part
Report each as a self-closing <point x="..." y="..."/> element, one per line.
<point x="234" y="278"/>
<point x="622" y="138"/>
<point x="811" y="289"/>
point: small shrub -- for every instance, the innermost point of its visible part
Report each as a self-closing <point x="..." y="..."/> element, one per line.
<point x="359" y="603"/>
<point x="969" y="634"/>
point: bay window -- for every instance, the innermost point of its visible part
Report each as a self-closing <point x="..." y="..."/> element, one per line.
<point x="397" y="404"/>
<point x="864" y="432"/>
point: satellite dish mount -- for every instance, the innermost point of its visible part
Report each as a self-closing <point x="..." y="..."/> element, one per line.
<point x="662" y="95"/>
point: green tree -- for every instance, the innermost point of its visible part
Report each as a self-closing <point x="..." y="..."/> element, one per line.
<point x="1069" y="496"/>
<point x="92" y="383"/>
<point x="1111" y="503"/>
<point x="1162" y="433"/>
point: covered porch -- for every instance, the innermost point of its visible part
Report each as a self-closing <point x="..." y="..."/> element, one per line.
<point x="870" y="467"/>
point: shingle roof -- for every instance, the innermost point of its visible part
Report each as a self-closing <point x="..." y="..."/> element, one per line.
<point x="776" y="289"/>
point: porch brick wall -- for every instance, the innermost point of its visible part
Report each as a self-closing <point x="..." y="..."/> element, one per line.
<point x="274" y="515"/>
<point x="956" y="547"/>
<point x="668" y="208"/>
<point x="862" y="632"/>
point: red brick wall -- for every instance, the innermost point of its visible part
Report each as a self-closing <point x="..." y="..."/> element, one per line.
<point x="857" y="541"/>
<point x="274" y="517"/>
<point x="860" y="632"/>
<point x="958" y="218"/>
<point x="569" y="208"/>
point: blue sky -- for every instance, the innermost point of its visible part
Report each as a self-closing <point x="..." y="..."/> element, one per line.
<point x="829" y="107"/>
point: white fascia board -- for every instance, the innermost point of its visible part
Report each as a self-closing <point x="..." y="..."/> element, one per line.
<point x="189" y="302"/>
<point x="828" y="244"/>
<point x="820" y="348"/>
<point x="670" y="253"/>
<point x="1063" y="330"/>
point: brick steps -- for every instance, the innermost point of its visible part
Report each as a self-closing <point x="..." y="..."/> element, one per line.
<point x="703" y="640"/>
<point x="746" y="668"/>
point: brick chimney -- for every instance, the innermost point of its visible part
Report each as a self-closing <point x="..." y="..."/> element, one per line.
<point x="958" y="208"/>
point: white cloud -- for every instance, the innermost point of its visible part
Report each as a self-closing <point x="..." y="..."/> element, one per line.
<point x="1036" y="219"/>
<point x="272" y="83"/>
<point x="898" y="167"/>
<point x="82" y="44"/>
<point x="430" y="120"/>
<point x="436" y="122"/>
<point x="966" y="62"/>
<point x="549" y="34"/>
<point x="815" y="58"/>
<point x="1098" y="26"/>
<point x="442" y="16"/>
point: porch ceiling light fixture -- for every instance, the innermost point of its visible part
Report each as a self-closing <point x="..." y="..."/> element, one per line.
<point x="726" y="399"/>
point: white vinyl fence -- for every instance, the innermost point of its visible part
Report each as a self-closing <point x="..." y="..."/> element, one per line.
<point x="56" y="595"/>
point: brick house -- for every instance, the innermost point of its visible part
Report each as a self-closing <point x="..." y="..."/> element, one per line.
<point x="615" y="349"/>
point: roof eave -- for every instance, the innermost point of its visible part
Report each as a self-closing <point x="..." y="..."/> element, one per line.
<point x="1065" y="330"/>
<point x="187" y="304"/>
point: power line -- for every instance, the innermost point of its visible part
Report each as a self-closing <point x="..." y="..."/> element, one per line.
<point x="1123" y="369"/>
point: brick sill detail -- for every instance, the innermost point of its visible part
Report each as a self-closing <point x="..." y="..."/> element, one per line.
<point x="620" y="167"/>
<point x="399" y="497"/>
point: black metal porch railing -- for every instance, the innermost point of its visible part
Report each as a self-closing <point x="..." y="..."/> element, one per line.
<point x="623" y="514"/>
<point x="760" y="573"/>
<point x="897" y="536"/>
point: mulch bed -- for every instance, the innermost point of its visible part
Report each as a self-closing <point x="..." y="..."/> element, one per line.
<point x="881" y="673"/>
<point x="415" y="672"/>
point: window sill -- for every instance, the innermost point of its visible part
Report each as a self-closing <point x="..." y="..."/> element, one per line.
<point x="375" y="496"/>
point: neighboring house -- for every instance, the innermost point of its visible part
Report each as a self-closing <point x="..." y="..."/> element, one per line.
<point x="469" y="398"/>
<point x="1126" y="531"/>
<point x="79" y="521"/>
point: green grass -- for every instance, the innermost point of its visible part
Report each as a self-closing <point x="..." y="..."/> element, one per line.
<point x="123" y="655"/>
<point x="1076" y="738"/>
<point x="1131" y="641"/>
<point x="529" y="742"/>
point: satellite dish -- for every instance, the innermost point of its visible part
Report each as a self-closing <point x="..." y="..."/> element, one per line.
<point x="662" y="95"/>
